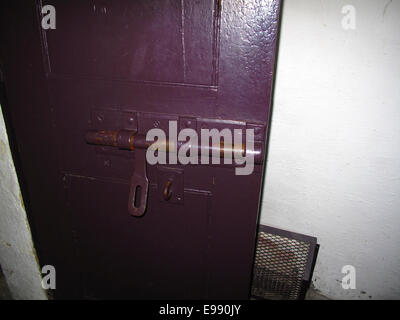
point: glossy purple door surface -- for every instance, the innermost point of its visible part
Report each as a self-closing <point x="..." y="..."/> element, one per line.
<point x="139" y="63"/>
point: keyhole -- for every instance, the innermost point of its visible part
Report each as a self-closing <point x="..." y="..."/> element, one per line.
<point x="137" y="200"/>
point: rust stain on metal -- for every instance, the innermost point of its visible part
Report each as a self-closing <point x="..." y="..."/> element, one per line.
<point x="131" y="142"/>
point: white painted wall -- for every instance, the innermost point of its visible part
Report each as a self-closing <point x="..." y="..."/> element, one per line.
<point x="17" y="254"/>
<point x="334" y="160"/>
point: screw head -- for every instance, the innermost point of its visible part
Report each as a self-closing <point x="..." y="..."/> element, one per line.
<point x="100" y="117"/>
<point x="107" y="163"/>
<point x="257" y="130"/>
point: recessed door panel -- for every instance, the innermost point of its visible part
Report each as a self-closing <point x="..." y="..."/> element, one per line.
<point x="168" y="246"/>
<point x="170" y="41"/>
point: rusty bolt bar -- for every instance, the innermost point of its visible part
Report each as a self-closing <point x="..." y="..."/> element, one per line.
<point x="103" y="137"/>
<point x="123" y="139"/>
<point x="130" y="140"/>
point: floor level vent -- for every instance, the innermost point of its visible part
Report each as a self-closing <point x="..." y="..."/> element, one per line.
<point x="284" y="264"/>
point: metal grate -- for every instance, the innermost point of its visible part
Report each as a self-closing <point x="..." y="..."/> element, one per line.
<point x="283" y="264"/>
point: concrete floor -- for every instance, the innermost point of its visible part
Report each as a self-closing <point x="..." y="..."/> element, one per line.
<point x="313" y="294"/>
<point x="5" y="294"/>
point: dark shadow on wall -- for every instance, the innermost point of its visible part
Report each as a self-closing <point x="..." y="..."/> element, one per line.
<point x="4" y="291"/>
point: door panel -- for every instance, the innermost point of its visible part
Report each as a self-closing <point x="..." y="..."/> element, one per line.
<point x="167" y="246"/>
<point x="158" y="40"/>
<point x="211" y="62"/>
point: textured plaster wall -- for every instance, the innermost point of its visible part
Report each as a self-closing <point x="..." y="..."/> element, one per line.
<point x="334" y="160"/>
<point x="17" y="254"/>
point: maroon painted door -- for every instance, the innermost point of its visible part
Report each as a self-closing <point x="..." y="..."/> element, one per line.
<point x="136" y="65"/>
